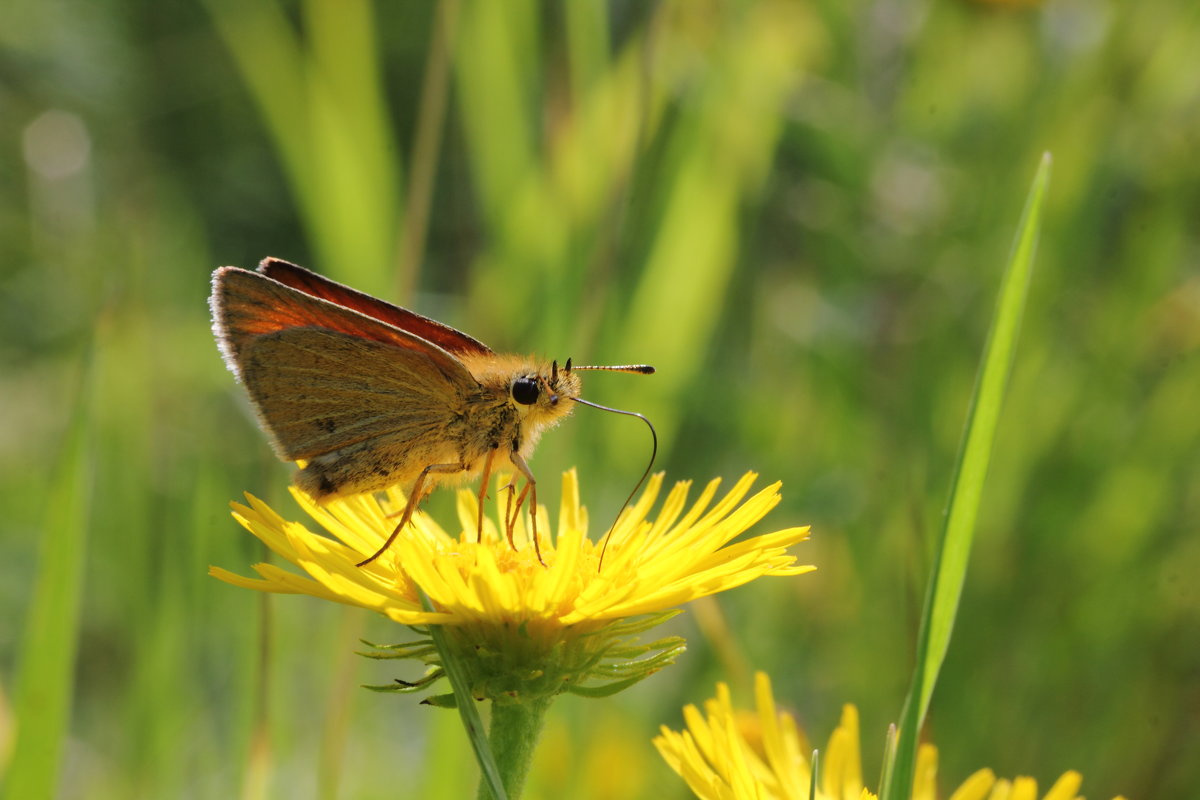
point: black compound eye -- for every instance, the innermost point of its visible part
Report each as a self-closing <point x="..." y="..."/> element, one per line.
<point x="525" y="391"/>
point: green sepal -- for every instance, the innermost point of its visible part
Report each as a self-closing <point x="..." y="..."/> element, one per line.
<point x="643" y="666"/>
<point x="420" y="653"/>
<point x="400" y="686"/>
<point x="388" y="688"/>
<point x="606" y="690"/>
<point x="635" y="625"/>
<point x="397" y="646"/>
<point x="418" y="649"/>
<point x="441" y="701"/>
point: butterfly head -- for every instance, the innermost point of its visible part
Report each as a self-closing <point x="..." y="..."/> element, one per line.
<point x="544" y="394"/>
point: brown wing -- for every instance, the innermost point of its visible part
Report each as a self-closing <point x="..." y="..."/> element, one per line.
<point x="311" y="283"/>
<point x="318" y="391"/>
<point x="247" y="305"/>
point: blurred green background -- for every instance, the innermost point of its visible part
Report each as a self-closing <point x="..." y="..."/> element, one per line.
<point x="797" y="212"/>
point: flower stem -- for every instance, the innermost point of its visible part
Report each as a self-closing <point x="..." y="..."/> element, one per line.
<point x="513" y="736"/>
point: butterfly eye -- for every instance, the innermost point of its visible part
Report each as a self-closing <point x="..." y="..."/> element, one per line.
<point x="525" y="391"/>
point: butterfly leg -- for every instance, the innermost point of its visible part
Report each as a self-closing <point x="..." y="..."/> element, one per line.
<point x="531" y="490"/>
<point x="483" y="484"/>
<point x="513" y="509"/>
<point x="508" y="508"/>
<point x="414" y="498"/>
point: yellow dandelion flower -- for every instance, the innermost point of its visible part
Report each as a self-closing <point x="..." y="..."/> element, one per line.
<point x="727" y="755"/>
<point x="529" y="629"/>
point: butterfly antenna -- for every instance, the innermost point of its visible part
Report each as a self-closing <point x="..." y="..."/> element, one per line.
<point x="653" y="451"/>
<point x="641" y="369"/>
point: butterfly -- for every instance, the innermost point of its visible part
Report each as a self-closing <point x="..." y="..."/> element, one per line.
<point x="369" y="395"/>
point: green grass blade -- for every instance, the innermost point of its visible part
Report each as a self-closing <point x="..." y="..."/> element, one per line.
<point x="954" y="546"/>
<point x="426" y="149"/>
<point x="692" y="259"/>
<point x="320" y="92"/>
<point x="467" y="710"/>
<point x="46" y="668"/>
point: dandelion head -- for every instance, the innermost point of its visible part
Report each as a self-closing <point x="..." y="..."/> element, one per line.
<point x="529" y="625"/>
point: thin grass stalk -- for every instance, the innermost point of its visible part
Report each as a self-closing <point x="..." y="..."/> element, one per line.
<point x="958" y="528"/>
<point x="426" y="151"/>
<point x="46" y="666"/>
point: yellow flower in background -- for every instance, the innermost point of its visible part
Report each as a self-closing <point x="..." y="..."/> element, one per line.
<point x="725" y="754"/>
<point x="529" y="629"/>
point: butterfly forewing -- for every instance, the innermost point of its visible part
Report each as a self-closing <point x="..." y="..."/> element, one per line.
<point x="311" y="283"/>
<point x="318" y="391"/>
